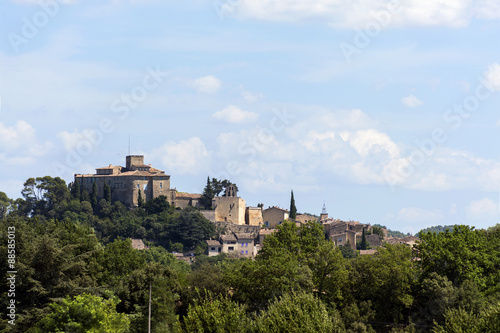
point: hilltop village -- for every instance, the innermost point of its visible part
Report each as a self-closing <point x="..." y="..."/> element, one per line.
<point x="242" y="228"/>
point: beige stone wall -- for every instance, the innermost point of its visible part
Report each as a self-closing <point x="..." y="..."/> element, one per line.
<point x="229" y="209"/>
<point x="304" y="218"/>
<point x="253" y="216"/>
<point x="274" y="216"/>
<point x="125" y="188"/>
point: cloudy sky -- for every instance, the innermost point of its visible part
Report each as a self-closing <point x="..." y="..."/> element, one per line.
<point x="387" y="111"/>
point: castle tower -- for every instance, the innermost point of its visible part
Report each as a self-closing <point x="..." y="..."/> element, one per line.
<point x="230" y="208"/>
<point x="231" y="191"/>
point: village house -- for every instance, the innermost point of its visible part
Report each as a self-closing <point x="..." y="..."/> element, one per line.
<point x="274" y="216"/>
<point x="235" y="244"/>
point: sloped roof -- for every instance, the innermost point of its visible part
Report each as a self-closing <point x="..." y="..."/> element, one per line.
<point x="228" y="238"/>
<point x="213" y="243"/>
<point x="244" y="236"/>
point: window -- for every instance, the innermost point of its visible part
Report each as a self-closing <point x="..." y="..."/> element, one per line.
<point x="161" y="185"/>
<point x="231" y="248"/>
<point x="242" y="244"/>
<point x="243" y="252"/>
<point x="340" y="240"/>
<point x="212" y="249"/>
<point x="246" y="244"/>
<point x="246" y="252"/>
<point x="138" y="186"/>
<point x="145" y="187"/>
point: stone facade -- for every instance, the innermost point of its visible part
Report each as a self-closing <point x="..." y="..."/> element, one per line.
<point x="253" y="216"/>
<point x="240" y="245"/>
<point x="274" y="216"/>
<point x="127" y="182"/>
<point x="304" y="218"/>
<point x="230" y="207"/>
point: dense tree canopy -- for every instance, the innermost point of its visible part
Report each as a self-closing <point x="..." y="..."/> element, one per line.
<point x="77" y="271"/>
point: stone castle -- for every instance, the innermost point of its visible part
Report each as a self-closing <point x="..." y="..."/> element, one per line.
<point x="136" y="177"/>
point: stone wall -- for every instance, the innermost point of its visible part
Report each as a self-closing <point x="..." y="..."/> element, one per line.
<point x="229" y="209"/>
<point x="253" y="216"/>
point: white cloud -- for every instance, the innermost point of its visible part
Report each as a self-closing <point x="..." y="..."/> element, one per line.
<point x="186" y="157"/>
<point x="416" y="214"/>
<point x="482" y="209"/>
<point x="207" y="84"/>
<point x="411" y="101"/>
<point x="20" y="145"/>
<point x="234" y="115"/>
<point x="358" y="13"/>
<point x="251" y="97"/>
<point x="72" y="140"/>
<point x="492" y="76"/>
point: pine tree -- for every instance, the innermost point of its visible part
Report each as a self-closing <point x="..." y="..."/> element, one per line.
<point x="363" y="241"/>
<point x="293" y="209"/>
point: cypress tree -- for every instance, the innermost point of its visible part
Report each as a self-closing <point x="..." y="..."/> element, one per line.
<point x="93" y="197"/>
<point x="140" y="200"/>
<point x="363" y="241"/>
<point x="208" y="195"/>
<point x="293" y="209"/>
<point x="75" y="190"/>
<point x="85" y="196"/>
<point x="107" y="192"/>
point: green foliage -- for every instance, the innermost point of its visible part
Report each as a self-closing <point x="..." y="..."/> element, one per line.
<point x="107" y="192"/>
<point x="93" y="197"/>
<point x="293" y="208"/>
<point x="378" y="231"/>
<point x="5" y="205"/>
<point x="216" y="316"/>
<point x="140" y="200"/>
<point x="386" y="279"/>
<point x="299" y="312"/>
<point x="84" y="313"/>
<point x="213" y="188"/>
<point x="459" y="320"/>
<point x="364" y="243"/>
<point x="347" y="251"/>
<point x="464" y="254"/>
<point x="437" y="229"/>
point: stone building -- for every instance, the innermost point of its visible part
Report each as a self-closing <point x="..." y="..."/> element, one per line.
<point x="127" y="182"/>
<point x="230" y="207"/>
<point x="274" y="216"/>
<point x="235" y="244"/>
<point x="253" y="216"/>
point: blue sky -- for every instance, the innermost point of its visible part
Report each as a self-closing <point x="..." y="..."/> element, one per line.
<point x="387" y="111"/>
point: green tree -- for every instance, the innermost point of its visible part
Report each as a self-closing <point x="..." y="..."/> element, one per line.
<point x="459" y="320"/>
<point x="464" y="254"/>
<point x="157" y="205"/>
<point x="364" y="245"/>
<point x="76" y="189"/>
<point x="387" y="280"/>
<point x="84" y="313"/>
<point x="293" y="208"/>
<point x="208" y="195"/>
<point x="107" y="193"/>
<point x="140" y="200"/>
<point x="299" y="312"/>
<point x="5" y="205"/>
<point x="216" y="316"/>
<point x="347" y="251"/>
<point x="93" y="198"/>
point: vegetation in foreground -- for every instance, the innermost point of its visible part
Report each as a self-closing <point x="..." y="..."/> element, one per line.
<point x="77" y="272"/>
